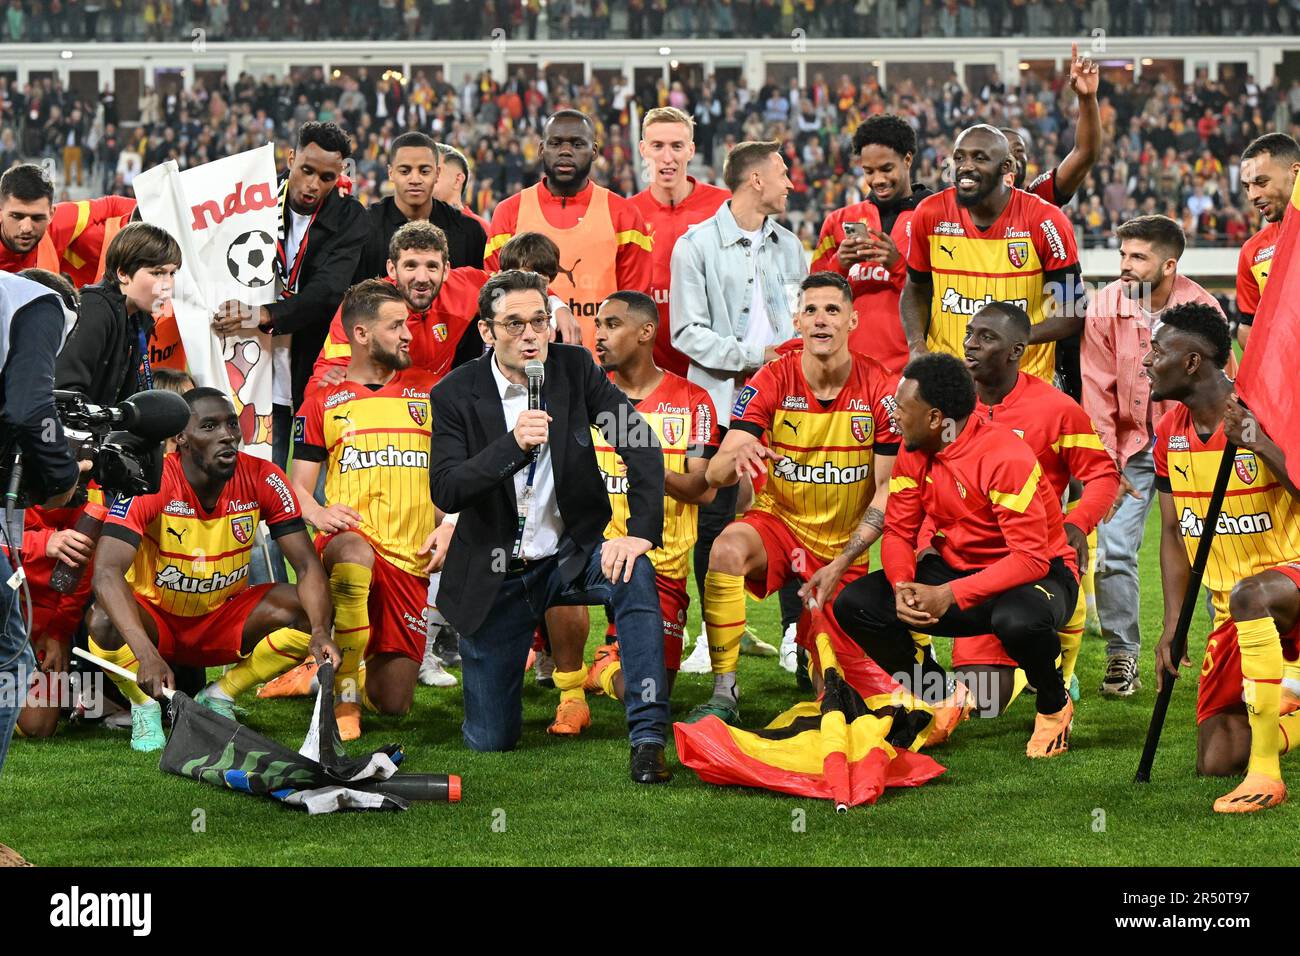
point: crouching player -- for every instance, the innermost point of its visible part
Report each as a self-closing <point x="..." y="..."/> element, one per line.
<point x="171" y="574"/>
<point x="1062" y="438"/>
<point x="683" y="419"/>
<point x="372" y="432"/>
<point x="824" y="413"/>
<point x="1253" y="573"/>
<point x="1000" y="563"/>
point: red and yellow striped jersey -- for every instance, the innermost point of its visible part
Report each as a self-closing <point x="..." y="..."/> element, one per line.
<point x="190" y="560"/>
<point x="1253" y="265"/>
<point x="1011" y="261"/>
<point x="683" y="419"/>
<point x="1061" y="435"/>
<point x="822" y="487"/>
<point x="1259" y="526"/>
<point x="376" y="441"/>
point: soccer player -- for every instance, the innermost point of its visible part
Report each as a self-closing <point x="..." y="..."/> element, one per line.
<point x="683" y="419"/>
<point x="601" y="235"/>
<point x="981" y="241"/>
<point x="671" y="204"/>
<point x="1269" y="167"/>
<point x="440" y="304"/>
<point x="1002" y="564"/>
<point x="1063" y="440"/>
<point x="872" y="256"/>
<point x="371" y="433"/>
<point x="1059" y="184"/>
<point x="171" y="575"/>
<point x="67" y="237"/>
<point x="449" y="187"/>
<point x="817" y="421"/>
<point x="1253" y="573"/>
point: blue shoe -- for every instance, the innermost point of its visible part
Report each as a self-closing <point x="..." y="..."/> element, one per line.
<point x="146" y="728"/>
<point x="725" y="709"/>
<point x="1074" y="688"/>
<point x="217" y="705"/>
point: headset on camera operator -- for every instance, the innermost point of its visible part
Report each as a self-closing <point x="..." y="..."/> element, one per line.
<point x="32" y="325"/>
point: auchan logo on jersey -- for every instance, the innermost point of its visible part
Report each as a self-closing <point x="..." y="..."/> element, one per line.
<point x="240" y="200"/>
<point x="172" y="578"/>
<point x="787" y="469"/>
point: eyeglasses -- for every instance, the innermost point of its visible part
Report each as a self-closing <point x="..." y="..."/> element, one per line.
<point x="515" y="327"/>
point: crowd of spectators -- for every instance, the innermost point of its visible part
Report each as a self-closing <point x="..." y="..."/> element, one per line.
<point x="1166" y="147"/>
<point x="125" y="20"/>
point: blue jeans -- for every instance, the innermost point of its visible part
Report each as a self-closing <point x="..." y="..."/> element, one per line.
<point x="493" y="656"/>
<point x="13" y="643"/>
<point x="1118" y="543"/>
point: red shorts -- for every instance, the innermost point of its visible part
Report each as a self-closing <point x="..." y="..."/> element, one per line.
<point x="1221" y="680"/>
<point x="208" y="639"/>
<point x="398" y="607"/>
<point x="787" y="557"/>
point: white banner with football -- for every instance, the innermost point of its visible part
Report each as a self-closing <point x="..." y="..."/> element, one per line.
<point x="223" y="214"/>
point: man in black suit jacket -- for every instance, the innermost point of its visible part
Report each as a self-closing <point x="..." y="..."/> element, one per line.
<point x="530" y="510"/>
<point x="413" y="170"/>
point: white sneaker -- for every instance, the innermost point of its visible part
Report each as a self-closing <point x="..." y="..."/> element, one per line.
<point x="789" y="650"/>
<point x="432" y="673"/>
<point x="699" y="661"/>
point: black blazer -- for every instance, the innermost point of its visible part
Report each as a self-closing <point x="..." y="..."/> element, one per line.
<point x="474" y="459"/>
<point x="102" y="353"/>
<point x="334" y="245"/>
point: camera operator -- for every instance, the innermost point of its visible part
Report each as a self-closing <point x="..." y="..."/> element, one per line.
<point x="106" y="357"/>
<point x="32" y="323"/>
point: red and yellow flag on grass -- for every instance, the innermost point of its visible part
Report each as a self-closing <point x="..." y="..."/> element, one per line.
<point x="841" y="748"/>
<point x="1267" y="381"/>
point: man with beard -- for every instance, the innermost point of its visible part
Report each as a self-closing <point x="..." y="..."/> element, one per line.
<point x="864" y="241"/>
<point x="602" y="237"/>
<point x="1121" y="320"/>
<point x="980" y="241"/>
<point x="321" y="237"/>
<point x="413" y="171"/>
<point x="440" y="303"/>
<point x="70" y="237"/>
<point x="1002" y="565"/>
<point x="672" y="203"/>
<point x="1253" y="571"/>
<point x="1269" y="167"/>
<point x="1059" y="184"/>
<point x="372" y="435"/>
<point x="171" y="575"/>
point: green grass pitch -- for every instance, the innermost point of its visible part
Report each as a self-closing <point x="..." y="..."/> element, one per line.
<point x="85" y="798"/>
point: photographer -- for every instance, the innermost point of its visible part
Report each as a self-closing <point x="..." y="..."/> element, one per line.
<point x="32" y="322"/>
<point x="106" y="357"/>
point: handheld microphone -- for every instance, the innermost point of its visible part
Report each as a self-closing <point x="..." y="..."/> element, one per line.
<point x="536" y="373"/>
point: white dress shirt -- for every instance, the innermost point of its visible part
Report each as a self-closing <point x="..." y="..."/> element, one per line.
<point x="543" y="526"/>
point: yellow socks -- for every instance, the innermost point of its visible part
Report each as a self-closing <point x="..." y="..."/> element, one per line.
<point x="569" y="683"/>
<point x="1261" y="671"/>
<point x="273" y="655"/>
<point x="607" y="679"/>
<point x="123" y="657"/>
<point x="350" y="592"/>
<point x="724" y="619"/>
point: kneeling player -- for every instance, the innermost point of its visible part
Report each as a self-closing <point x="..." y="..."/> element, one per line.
<point x="171" y="574"/>
<point x="830" y="445"/>
<point x="683" y="419"/>
<point x="1001" y="563"/>
<point x="373" y="430"/>
<point x="1253" y="573"/>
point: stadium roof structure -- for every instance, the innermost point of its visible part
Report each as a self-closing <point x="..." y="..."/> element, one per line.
<point x="799" y="56"/>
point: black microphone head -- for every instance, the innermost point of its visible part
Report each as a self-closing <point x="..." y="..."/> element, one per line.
<point x="155" y="415"/>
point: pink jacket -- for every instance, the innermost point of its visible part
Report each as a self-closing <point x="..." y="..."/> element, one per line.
<point x="1115" y="392"/>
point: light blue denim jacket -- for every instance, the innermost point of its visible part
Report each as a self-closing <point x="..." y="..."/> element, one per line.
<point x="713" y="268"/>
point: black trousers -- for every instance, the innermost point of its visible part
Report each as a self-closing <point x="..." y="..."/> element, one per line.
<point x="710" y="520"/>
<point x="1025" y="619"/>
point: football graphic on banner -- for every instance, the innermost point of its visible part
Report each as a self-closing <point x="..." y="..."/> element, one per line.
<point x="251" y="259"/>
